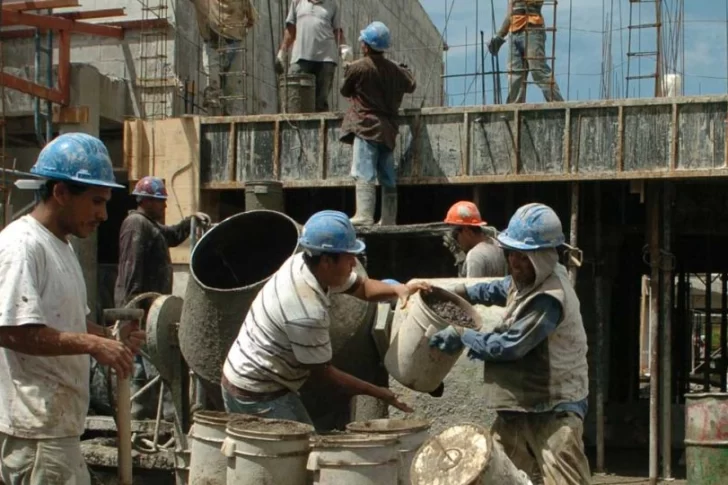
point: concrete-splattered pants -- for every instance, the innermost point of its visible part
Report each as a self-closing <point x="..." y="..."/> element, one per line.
<point x="547" y="446"/>
<point x="528" y="54"/>
<point x="56" y="461"/>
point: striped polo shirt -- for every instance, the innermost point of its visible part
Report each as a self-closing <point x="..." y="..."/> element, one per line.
<point x="287" y="326"/>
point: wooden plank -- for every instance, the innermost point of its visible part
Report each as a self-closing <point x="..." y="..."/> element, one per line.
<point x="70" y="114"/>
<point x="38" y="5"/>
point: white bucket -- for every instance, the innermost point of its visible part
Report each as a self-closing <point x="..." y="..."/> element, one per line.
<point x="181" y="467"/>
<point x="410" y="359"/>
<point x="207" y="464"/>
<point x="410" y="434"/>
<point x="464" y="455"/>
<point x="354" y="459"/>
<point x="266" y="451"/>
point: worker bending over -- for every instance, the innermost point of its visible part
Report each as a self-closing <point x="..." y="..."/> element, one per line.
<point x="45" y="337"/>
<point x="525" y="23"/>
<point x="145" y="266"/>
<point x="375" y="87"/>
<point x="484" y="257"/>
<point x="285" y="339"/>
<point x="536" y="373"/>
<point x="313" y="29"/>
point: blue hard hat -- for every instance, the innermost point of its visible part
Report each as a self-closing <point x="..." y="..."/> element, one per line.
<point x="76" y="157"/>
<point x="391" y="282"/>
<point x="152" y="187"/>
<point x="532" y="227"/>
<point x="330" y="232"/>
<point x="376" y="35"/>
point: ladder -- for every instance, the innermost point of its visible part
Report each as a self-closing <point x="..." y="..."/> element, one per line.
<point x="154" y="83"/>
<point x="638" y="55"/>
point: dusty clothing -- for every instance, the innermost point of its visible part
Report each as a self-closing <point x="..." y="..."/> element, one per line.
<point x="526" y="12"/>
<point x="547" y="446"/>
<point x="41" y="283"/>
<point x="315" y="21"/>
<point x="228" y="18"/>
<point x="372" y="161"/>
<point x="144" y="261"/>
<point x="555" y="371"/>
<point x="56" y="461"/>
<point x="485" y="260"/>
<point x="324" y="73"/>
<point x="528" y="54"/>
<point x="375" y="87"/>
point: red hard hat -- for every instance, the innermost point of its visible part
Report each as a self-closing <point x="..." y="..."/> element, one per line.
<point x="152" y="187"/>
<point x="464" y="213"/>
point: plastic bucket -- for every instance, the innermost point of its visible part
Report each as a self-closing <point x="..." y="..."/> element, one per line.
<point x="207" y="463"/>
<point x="354" y="459"/>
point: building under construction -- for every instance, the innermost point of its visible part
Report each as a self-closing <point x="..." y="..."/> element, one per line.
<point x="638" y="182"/>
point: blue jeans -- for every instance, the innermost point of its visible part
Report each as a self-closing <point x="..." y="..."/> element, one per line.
<point x="373" y="161"/>
<point x="288" y="406"/>
<point x="528" y="53"/>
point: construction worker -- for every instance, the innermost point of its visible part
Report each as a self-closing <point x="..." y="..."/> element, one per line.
<point x="375" y="87"/>
<point x="145" y="266"/>
<point x="45" y="335"/>
<point x="536" y="373"/>
<point x="285" y="340"/>
<point x="484" y="258"/>
<point x="313" y="29"/>
<point x="525" y="23"/>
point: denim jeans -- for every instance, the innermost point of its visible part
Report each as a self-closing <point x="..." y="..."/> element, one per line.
<point x="373" y="161"/>
<point x="288" y="406"/>
<point x="528" y="53"/>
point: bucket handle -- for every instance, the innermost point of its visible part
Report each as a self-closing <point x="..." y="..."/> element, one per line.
<point x="228" y="448"/>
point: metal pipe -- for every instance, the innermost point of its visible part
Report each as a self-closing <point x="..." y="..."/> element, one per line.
<point x="574" y="229"/>
<point x="723" y="330"/>
<point x="708" y="327"/>
<point x="482" y="62"/>
<point x="598" y="290"/>
<point x="666" y="283"/>
<point x="653" y="234"/>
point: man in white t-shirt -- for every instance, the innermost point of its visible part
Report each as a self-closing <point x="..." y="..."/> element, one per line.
<point x="285" y="338"/>
<point x="45" y="338"/>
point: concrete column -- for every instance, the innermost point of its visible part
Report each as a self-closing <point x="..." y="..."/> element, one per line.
<point x="86" y="91"/>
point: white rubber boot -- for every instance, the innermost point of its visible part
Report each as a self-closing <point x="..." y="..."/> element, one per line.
<point x="389" y="206"/>
<point x="366" y="201"/>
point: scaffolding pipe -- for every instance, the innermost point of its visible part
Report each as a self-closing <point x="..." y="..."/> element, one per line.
<point x="666" y="264"/>
<point x="653" y="233"/>
<point x="599" y="306"/>
<point x="574" y="229"/>
<point x="723" y="330"/>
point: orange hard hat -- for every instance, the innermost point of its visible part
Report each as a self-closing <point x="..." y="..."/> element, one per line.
<point x="464" y="213"/>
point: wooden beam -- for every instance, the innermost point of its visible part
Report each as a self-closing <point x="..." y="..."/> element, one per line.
<point x="38" y="5"/>
<point x="58" y="23"/>
<point x="27" y="87"/>
<point x="140" y="24"/>
<point x="92" y="14"/>
<point x="70" y="114"/>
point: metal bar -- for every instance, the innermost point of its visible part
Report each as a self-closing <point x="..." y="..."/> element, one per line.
<point x="92" y="14"/>
<point x="465" y="154"/>
<point x="723" y="333"/>
<point x="599" y="350"/>
<point x="59" y="23"/>
<point x="574" y="229"/>
<point x="31" y="88"/>
<point x="708" y="325"/>
<point x="685" y="333"/>
<point x="38" y="5"/>
<point x="567" y="141"/>
<point x="653" y="233"/>
<point x="658" y="67"/>
<point x="666" y="283"/>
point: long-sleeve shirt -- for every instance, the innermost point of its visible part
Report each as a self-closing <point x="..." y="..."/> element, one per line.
<point x="144" y="261"/>
<point x="540" y="318"/>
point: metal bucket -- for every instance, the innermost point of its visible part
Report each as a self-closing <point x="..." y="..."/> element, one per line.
<point x="706" y="438"/>
<point x="264" y="195"/>
<point x="410" y="434"/>
<point x="297" y="93"/>
<point x="263" y="451"/>
<point x="464" y="455"/>
<point x="207" y="463"/>
<point x="229" y="264"/>
<point x="410" y="359"/>
<point x="354" y="459"/>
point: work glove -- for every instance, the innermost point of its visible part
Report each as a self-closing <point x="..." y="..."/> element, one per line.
<point x="202" y="218"/>
<point x="448" y="340"/>
<point x="347" y="55"/>
<point x="280" y="62"/>
<point x="495" y="44"/>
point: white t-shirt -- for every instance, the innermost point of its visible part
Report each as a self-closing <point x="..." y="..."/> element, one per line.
<point x="41" y="283"/>
<point x="315" y="25"/>
<point x="287" y="325"/>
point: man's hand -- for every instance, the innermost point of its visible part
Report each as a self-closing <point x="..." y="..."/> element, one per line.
<point x="202" y="218"/>
<point x="405" y="291"/>
<point x="495" y="44"/>
<point x="391" y="398"/>
<point x="347" y="55"/>
<point x="280" y="62"/>
<point x="130" y="335"/>
<point x="114" y="354"/>
<point x="448" y="340"/>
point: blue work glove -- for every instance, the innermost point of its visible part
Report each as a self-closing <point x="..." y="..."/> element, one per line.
<point x="448" y="340"/>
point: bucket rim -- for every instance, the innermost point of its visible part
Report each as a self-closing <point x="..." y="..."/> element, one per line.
<point x="227" y="221"/>
<point x="211" y="417"/>
<point x="417" y="426"/>
<point x="458" y="300"/>
<point x="239" y="427"/>
<point x="352" y="440"/>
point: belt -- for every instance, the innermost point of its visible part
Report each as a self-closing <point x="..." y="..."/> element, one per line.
<point x="238" y="393"/>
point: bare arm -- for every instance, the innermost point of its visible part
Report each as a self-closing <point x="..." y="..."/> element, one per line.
<point x="503" y="31"/>
<point x="375" y="290"/>
<point x="289" y="37"/>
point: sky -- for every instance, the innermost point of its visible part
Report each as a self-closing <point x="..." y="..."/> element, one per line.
<point x="705" y="47"/>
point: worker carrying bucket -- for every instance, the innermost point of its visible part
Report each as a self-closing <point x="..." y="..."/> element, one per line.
<point x="285" y="338"/>
<point x="536" y="373"/>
